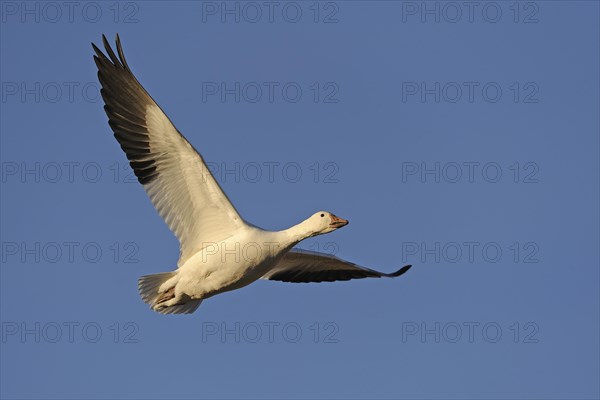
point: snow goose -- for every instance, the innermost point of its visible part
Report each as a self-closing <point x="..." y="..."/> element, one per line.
<point x="219" y="251"/>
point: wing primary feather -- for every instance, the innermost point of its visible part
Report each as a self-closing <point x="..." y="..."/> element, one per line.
<point x="303" y="266"/>
<point x="110" y="52"/>
<point x="121" y="54"/>
<point x="399" y="272"/>
<point x="172" y="172"/>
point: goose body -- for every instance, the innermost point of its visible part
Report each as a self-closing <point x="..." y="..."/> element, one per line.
<point x="230" y="264"/>
<point x="219" y="250"/>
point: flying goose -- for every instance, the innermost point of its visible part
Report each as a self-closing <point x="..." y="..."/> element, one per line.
<point x="219" y="251"/>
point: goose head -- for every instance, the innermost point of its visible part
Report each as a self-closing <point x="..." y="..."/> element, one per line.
<point x="325" y="222"/>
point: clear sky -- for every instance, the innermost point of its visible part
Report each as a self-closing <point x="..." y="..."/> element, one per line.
<point x="462" y="138"/>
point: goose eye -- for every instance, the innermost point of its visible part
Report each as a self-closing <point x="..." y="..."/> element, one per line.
<point x="322" y="215"/>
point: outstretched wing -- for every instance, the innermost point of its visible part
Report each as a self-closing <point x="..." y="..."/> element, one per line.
<point x="174" y="175"/>
<point x="302" y="266"/>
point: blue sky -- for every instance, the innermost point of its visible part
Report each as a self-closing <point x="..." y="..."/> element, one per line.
<point x="461" y="139"/>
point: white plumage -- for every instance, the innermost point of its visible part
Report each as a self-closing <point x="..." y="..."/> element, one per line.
<point x="219" y="251"/>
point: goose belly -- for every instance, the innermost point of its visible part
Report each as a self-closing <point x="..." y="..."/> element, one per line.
<point x="225" y="266"/>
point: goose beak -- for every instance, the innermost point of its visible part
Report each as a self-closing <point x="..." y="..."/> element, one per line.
<point x="337" y="222"/>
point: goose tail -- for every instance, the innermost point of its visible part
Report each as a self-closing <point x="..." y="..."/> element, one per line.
<point x="149" y="287"/>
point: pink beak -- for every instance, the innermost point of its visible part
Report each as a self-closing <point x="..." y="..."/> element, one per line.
<point x="337" y="222"/>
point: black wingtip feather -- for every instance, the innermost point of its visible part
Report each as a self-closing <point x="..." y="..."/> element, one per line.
<point x="121" y="54"/>
<point x="110" y="52"/>
<point x="125" y="104"/>
<point x="400" y="271"/>
<point x="100" y="57"/>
